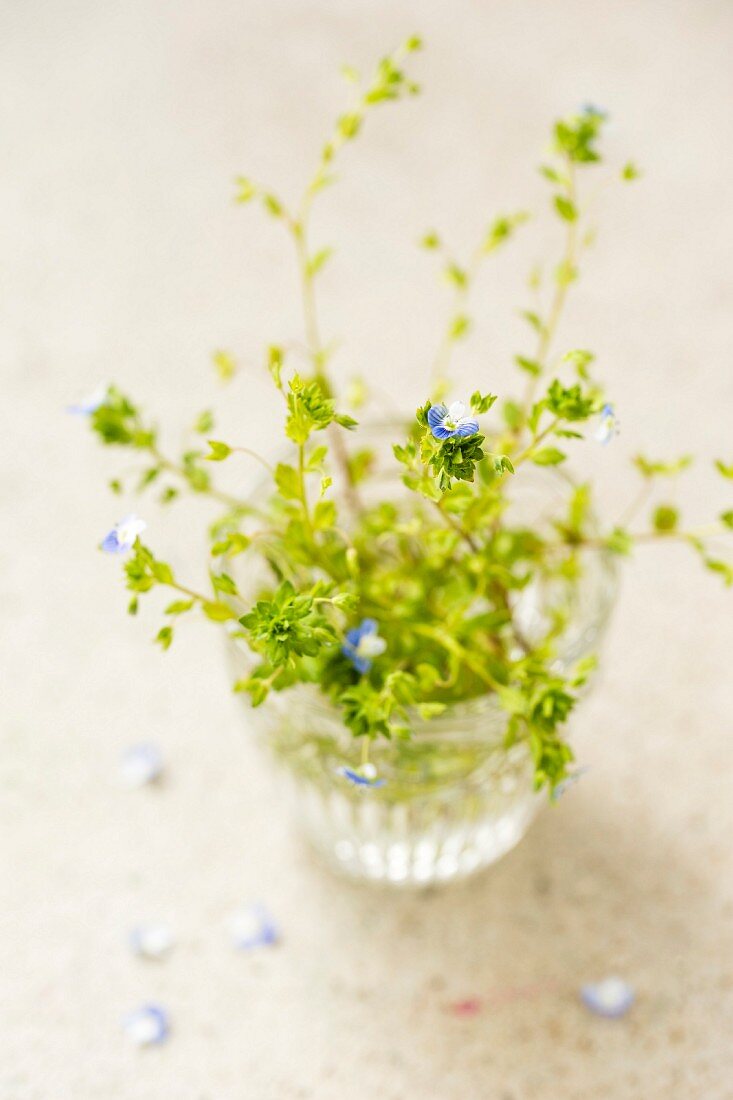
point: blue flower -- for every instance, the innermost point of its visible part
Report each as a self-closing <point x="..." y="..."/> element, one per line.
<point x="147" y="1025"/>
<point x="254" y="927"/>
<point x="90" y="404"/>
<point x="141" y="764"/>
<point x="365" y="777"/>
<point x="151" y="941"/>
<point x="447" y="423"/>
<point x="123" y="535"/>
<point x="362" y="644"/>
<point x="608" y="425"/>
<point x="612" y="997"/>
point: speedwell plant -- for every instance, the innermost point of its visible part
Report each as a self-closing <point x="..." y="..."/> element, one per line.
<point x="396" y="609"/>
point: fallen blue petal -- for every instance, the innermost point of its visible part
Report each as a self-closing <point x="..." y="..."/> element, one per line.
<point x="254" y="927"/>
<point x="151" y="941"/>
<point x="141" y="764"/>
<point x="147" y="1026"/>
<point x="611" y="998"/>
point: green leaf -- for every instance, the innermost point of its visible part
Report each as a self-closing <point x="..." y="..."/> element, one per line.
<point x="246" y="190"/>
<point x="724" y="469"/>
<point x="430" y="240"/>
<point x="179" y="607"/>
<point x="459" y="326"/>
<point x="651" y="469"/>
<point x="620" y="541"/>
<point x="324" y="515"/>
<point x="531" y="366"/>
<point x="665" y="518"/>
<point x="565" y="208"/>
<point x="222" y="582"/>
<point x="164" y="637"/>
<point x="727" y="518"/>
<point x="316" y="459"/>
<point x="581" y="359"/>
<point x="162" y="572"/>
<point x="218" y="451"/>
<point x="456" y="275"/>
<point x="231" y="545"/>
<point x="275" y="360"/>
<point x="318" y="261"/>
<point x="502" y="229"/>
<point x="287" y="480"/>
<point x="255" y="688"/>
<point x="502" y="464"/>
<point x="548" y="456"/>
<point x="482" y="402"/>
<point x="217" y="612"/>
<point x="630" y="171"/>
<point x="224" y="365"/>
<point x="272" y="204"/>
<point x="533" y="319"/>
<point x="204" y="422"/>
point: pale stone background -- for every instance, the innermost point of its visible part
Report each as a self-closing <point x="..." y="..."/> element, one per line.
<point x="122" y="256"/>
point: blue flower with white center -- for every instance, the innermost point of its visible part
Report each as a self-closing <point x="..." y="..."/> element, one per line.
<point x="608" y="425"/>
<point x="566" y="783"/>
<point x="147" y="1026"/>
<point x="89" y="404"/>
<point x="122" y="537"/>
<point x="253" y="927"/>
<point x="363" y="644"/>
<point x="449" y="422"/>
<point x="612" y="997"/>
<point x="141" y="764"/>
<point x="151" y="941"/>
<point x="366" y="776"/>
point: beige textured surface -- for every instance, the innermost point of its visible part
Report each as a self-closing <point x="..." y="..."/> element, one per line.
<point x="121" y="257"/>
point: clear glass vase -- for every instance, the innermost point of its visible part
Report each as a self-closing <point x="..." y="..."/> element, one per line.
<point x="455" y="799"/>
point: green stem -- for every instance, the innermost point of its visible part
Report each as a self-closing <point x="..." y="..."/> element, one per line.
<point x="224" y="498"/>
<point x="549" y="327"/>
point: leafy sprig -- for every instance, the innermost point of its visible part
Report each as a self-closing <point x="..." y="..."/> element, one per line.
<point x="396" y="610"/>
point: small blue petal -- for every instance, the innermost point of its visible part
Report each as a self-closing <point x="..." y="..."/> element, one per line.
<point x="611" y="998"/>
<point x="150" y="941"/>
<point x="90" y="404"/>
<point x="436" y="415"/>
<point x="467" y="427"/>
<point x="148" y="1025"/>
<point x="141" y="764"/>
<point x="350" y="649"/>
<point x="111" y="543"/>
<point x="358" y="779"/>
<point x="254" y="927"/>
<point x="361" y="664"/>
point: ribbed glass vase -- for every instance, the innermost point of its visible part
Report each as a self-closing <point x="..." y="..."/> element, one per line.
<point x="454" y="798"/>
